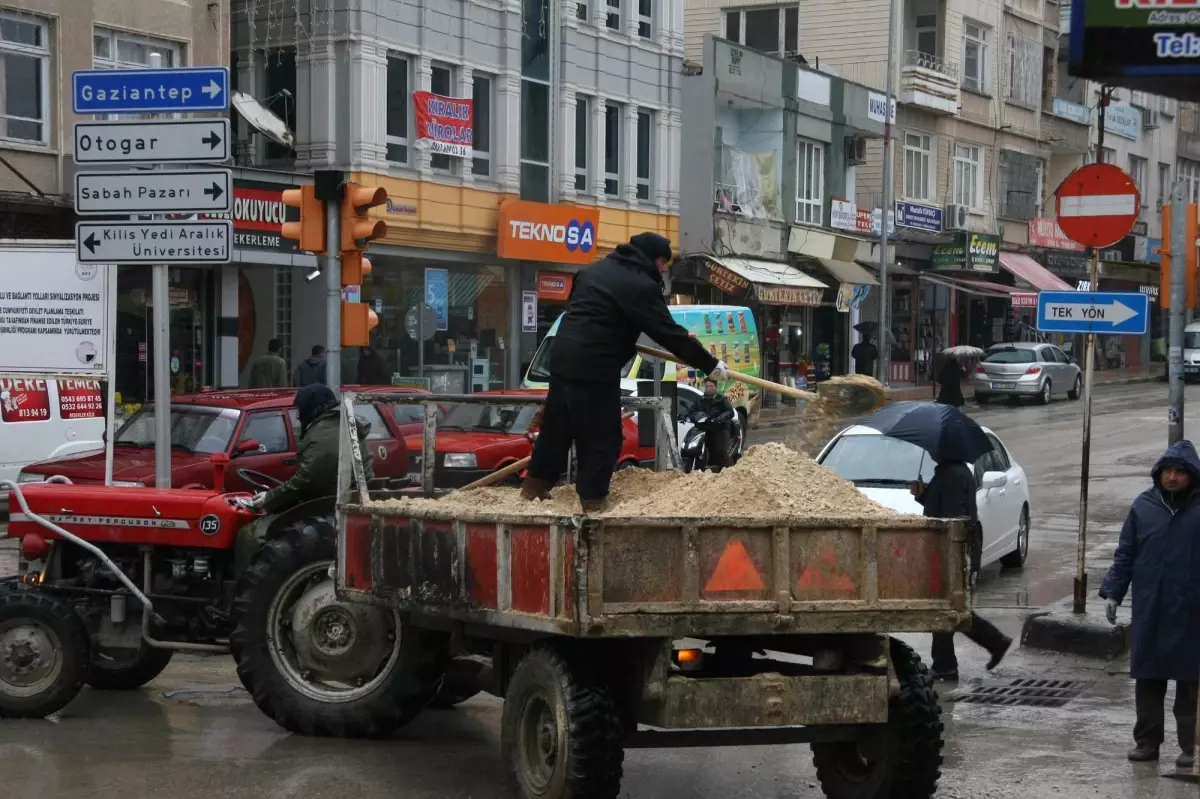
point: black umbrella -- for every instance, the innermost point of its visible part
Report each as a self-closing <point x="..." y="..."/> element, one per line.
<point x="943" y="431"/>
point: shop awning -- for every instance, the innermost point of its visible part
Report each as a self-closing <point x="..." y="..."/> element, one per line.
<point x="843" y="271"/>
<point x="768" y="282"/>
<point x="1025" y="268"/>
<point x="979" y="288"/>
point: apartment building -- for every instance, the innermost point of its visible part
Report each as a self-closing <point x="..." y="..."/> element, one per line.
<point x="569" y="144"/>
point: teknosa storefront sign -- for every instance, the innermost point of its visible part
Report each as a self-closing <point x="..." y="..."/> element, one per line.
<point x="446" y="124"/>
<point x="530" y="231"/>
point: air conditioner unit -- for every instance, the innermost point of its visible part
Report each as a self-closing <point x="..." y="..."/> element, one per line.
<point x="955" y="217"/>
<point x="856" y="150"/>
<point x="1149" y="120"/>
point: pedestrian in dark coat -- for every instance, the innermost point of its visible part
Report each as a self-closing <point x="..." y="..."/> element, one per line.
<point x="950" y="380"/>
<point x="612" y="303"/>
<point x="372" y="369"/>
<point x="1159" y="553"/>
<point x="269" y="370"/>
<point x="951" y="495"/>
<point x="311" y="370"/>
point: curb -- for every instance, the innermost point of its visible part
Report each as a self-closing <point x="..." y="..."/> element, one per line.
<point x="1055" y="628"/>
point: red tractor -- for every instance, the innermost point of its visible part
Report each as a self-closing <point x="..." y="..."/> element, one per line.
<point x="114" y="580"/>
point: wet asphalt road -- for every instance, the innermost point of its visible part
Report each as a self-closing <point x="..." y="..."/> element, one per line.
<point x="193" y="732"/>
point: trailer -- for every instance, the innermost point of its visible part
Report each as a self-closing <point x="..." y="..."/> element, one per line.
<point x="608" y="633"/>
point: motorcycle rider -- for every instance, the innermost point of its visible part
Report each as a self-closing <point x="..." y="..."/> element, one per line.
<point x="720" y="415"/>
<point x="316" y="475"/>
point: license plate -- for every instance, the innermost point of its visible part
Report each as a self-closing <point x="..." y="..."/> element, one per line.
<point x="1004" y="385"/>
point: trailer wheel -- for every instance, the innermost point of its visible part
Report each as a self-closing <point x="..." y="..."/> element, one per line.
<point x="904" y="760"/>
<point x="561" y="733"/>
<point x="43" y="654"/>
<point x="320" y="666"/>
<point x="127" y="673"/>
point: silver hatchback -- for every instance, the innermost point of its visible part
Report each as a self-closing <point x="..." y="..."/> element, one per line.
<point x="1026" y="369"/>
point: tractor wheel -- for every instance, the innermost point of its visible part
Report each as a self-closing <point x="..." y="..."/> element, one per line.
<point x="561" y="734"/>
<point x="126" y="670"/>
<point x="903" y="760"/>
<point x="320" y="666"/>
<point x="460" y="683"/>
<point x="43" y="654"/>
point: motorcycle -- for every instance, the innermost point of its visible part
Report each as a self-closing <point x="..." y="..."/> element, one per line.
<point x="694" y="449"/>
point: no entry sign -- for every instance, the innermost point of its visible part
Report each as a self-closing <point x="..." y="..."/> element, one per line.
<point x="1098" y="205"/>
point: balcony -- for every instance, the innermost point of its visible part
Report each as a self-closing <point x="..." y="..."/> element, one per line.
<point x="1066" y="126"/>
<point x="929" y="82"/>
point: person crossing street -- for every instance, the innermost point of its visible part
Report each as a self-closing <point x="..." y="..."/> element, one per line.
<point x="612" y="303"/>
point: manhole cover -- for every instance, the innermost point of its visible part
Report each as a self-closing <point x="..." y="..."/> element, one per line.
<point x="1028" y="693"/>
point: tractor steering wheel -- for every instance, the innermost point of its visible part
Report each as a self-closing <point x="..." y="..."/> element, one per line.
<point x="263" y="482"/>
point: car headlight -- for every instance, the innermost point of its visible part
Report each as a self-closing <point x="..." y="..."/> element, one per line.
<point x="460" y="460"/>
<point x="26" y="477"/>
<point x="127" y="484"/>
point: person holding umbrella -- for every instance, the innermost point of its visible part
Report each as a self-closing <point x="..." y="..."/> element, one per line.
<point x="952" y="373"/>
<point x="954" y="440"/>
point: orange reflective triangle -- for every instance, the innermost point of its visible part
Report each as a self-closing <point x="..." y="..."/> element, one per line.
<point x="735" y="570"/>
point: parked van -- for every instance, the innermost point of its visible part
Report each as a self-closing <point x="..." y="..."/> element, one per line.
<point x="42" y="419"/>
<point x="728" y="331"/>
<point x="1191" y="351"/>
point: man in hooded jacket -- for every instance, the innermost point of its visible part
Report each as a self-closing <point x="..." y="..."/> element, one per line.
<point x="612" y="303"/>
<point x="1159" y="554"/>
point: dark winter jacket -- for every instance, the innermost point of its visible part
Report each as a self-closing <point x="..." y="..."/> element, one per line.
<point x="950" y="380"/>
<point x="372" y="369"/>
<point x="864" y="354"/>
<point x="951" y="495"/>
<point x="1159" y="553"/>
<point x="311" y="370"/>
<point x="716" y="408"/>
<point x="317" y="453"/>
<point x="612" y="303"/>
<point x="268" y="371"/>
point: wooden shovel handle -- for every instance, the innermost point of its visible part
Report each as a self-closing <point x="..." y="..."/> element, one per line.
<point x="765" y="385"/>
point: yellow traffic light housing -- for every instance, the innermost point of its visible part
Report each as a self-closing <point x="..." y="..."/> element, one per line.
<point x="358" y="320"/>
<point x="354" y="268"/>
<point x="309" y="232"/>
<point x="358" y="228"/>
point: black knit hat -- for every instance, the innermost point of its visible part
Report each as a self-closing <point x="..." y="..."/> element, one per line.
<point x="652" y="245"/>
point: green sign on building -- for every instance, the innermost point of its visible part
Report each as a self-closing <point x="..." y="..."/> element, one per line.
<point x="970" y="252"/>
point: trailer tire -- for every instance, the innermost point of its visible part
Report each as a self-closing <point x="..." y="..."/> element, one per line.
<point x="910" y="748"/>
<point x="561" y="734"/>
<point x="265" y="639"/>
<point x="143" y="667"/>
<point x="34" y="626"/>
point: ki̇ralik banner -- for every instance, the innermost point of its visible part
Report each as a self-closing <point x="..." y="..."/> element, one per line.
<point x="1146" y="45"/>
<point x="446" y="124"/>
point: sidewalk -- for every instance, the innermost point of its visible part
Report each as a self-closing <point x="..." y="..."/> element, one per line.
<point x="784" y="415"/>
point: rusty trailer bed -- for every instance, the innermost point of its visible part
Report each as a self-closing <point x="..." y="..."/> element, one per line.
<point x="657" y="577"/>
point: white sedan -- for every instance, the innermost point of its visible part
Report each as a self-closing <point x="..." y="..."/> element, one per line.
<point x="882" y="468"/>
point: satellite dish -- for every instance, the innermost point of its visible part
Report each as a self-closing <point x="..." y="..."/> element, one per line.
<point x="265" y="122"/>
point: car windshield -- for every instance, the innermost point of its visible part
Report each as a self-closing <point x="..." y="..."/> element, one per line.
<point x="1191" y="340"/>
<point x="511" y="419"/>
<point x="1011" y="355"/>
<point x="194" y="428"/>
<point x="878" y="460"/>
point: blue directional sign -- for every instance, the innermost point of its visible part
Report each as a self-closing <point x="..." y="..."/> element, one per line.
<point x="137" y="91"/>
<point x="1116" y="312"/>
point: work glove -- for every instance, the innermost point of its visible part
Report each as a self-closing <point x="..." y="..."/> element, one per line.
<point x="720" y="371"/>
<point x="1110" y="610"/>
<point x="254" y="503"/>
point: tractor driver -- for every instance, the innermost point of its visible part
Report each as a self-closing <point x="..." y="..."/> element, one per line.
<point x="316" y="475"/>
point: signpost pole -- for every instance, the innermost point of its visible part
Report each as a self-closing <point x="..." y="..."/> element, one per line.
<point x="110" y="366"/>
<point x="1178" y="315"/>
<point x="160" y="292"/>
<point x="883" y="362"/>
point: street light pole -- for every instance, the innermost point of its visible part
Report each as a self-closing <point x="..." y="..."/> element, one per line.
<point x="1178" y="314"/>
<point x="889" y="179"/>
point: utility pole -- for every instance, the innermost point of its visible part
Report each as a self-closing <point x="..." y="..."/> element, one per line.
<point x="889" y="181"/>
<point x="160" y="294"/>
<point x="1180" y="261"/>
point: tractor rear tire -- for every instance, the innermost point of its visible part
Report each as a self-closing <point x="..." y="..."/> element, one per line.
<point x="561" y="734"/>
<point x="126" y="675"/>
<point x="44" y="654"/>
<point x="906" y="758"/>
<point x="288" y="581"/>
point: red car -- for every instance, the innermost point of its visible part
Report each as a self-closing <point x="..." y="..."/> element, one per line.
<point x="257" y="428"/>
<point x="475" y="440"/>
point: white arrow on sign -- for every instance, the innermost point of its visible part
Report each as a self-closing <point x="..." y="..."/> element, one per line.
<point x="1112" y="314"/>
<point x="212" y="89"/>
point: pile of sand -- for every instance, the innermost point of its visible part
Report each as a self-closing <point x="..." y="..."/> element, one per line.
<point x="771" y="480"/>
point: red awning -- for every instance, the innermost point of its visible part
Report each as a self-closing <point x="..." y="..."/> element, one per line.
<point x="1025" y="268"/>
<point x="979" y="288"/>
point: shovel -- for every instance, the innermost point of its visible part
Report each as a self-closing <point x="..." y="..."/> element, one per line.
<point x="863" y="394"/>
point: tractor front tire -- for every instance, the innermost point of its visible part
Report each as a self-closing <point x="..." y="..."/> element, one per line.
<point x="112" y="674"/>
<point x="44" y="654"/>
<point x="319" y="666"/>
<point x="904" y="758"/>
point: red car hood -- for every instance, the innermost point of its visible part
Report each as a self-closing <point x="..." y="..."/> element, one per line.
<point x="129" y="465"/>
<point x="452" y="441"/>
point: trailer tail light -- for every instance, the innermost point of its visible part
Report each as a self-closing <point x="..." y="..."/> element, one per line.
<point x="1033" y="370"/>
<point x="356" y="552"/>
<point x="689" y="659"/>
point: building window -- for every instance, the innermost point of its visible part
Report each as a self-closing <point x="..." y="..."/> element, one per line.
<point x="770" y="30"/>
<point x="535" y="141"/>
<point x="281" y="82"/>
<point x="581" y="12"/>
<point x="24" y="59"/>
<point x="810" y="183"/>
<point x="975" y="45"/>
<point x="1164" y="185"/>
<point x="612" y="148"/>
<point x="1139" y="170"/>
<point x="645" y="18"/>
<point x="1023" y="64"/>
<point x="918" y="166"/>
<point x="1020" y="182"/>
<point x="1189" y="173"/>
<point x="397" y="109"/>
<point x="481" y="95"/>
<point x="613" y="20"/>
<point x="582" y="119"/>
<point x="968" y="167"/>
<point x="441" y="78"/>
<point x="1166" y="106"/>
<point x="645" y="152"/>
<point x="116" y="50"/>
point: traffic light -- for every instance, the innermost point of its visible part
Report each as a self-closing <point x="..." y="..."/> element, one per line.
<point x="358" y="230"/>
<point x="309" y="232"/>
<point x="358" y="320"/>
<point x="1190" y="233"/>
